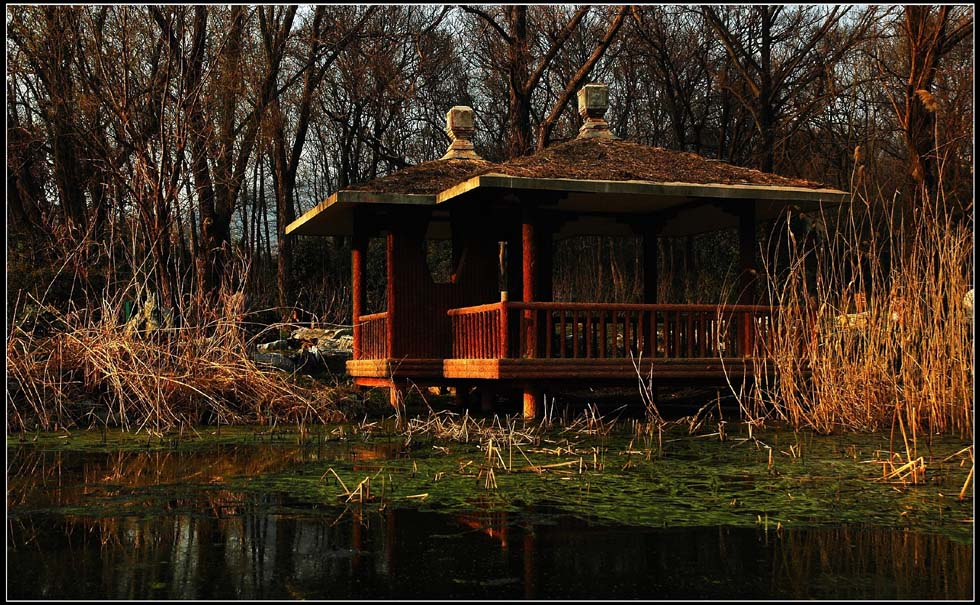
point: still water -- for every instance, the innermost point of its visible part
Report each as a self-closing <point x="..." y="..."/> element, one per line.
<point x="173" y="524"/>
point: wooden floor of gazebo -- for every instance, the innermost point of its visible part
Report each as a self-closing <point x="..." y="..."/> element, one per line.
<point x="558" y="343"/>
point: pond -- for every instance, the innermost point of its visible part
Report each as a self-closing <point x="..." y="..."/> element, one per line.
<point x="484" y="510"/>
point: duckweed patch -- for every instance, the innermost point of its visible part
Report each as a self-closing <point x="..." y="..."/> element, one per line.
<point x="775" y="479"/>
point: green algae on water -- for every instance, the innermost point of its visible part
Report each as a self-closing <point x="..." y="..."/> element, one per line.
<point x="776" y="479"/>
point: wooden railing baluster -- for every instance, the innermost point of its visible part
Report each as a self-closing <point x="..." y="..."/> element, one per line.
<point x="627" y="343"/>
<point x="590" y="331"/>
<point x="588" y="334"/>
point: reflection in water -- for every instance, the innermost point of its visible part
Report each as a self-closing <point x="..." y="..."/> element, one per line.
<point x="171" y="534"/>
<point x="259" y="553"/>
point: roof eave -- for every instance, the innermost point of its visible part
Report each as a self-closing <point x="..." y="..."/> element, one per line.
<point x="673" y="189"/>
<point x="316" y="220"/>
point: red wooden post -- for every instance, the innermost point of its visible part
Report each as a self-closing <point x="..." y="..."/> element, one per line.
<point x="746" y="333"/>
<point x="528" y="258"/>
<point x="357" y="252"/>
<point x="529" y="264"/>
<point x="515" y="282"/>
<point x="504" y="341"/>
<point x="532" y="402"/>
<point x="391" y="263"/>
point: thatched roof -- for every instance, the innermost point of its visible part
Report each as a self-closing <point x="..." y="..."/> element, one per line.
<point x="595" y="174"/>
<point x="426" y="178"/>
<point x="587" y="159"/>
<point x="618" y="160"/>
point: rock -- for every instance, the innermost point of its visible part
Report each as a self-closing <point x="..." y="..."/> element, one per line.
<point x="312" y="334"/>
<point x="276" y="360"/>
<point x="334" y="360"/>
<point x="342" y="344"/>
<point x="308" y="348"/>
<point x="968" y="302"/>
<point x="326" y="339"/>
<point x="148" y="316"/>
<point x="286" y="344"/>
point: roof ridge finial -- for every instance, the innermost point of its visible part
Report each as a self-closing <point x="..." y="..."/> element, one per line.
<point x="593" y="100"/>
<point x="460" y="128"/>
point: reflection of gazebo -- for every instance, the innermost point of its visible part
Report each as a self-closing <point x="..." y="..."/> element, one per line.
<point x="466" y="332"/>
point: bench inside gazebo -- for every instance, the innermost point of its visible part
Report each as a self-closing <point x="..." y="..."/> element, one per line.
<point x="471" y="332"/>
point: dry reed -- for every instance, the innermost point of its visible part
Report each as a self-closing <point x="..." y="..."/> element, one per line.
<point x="872" y="332"/>
<point x="94" y="370"/>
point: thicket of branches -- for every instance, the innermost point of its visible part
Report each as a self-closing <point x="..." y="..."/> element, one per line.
<point x="167" y="142"/>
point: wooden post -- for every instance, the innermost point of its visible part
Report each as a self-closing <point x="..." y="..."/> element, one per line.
<point x="529" y="258"/>
<point x="747" y="281"/>
<point x="529" y="265"/>
<point x="390" y="263"/>
<point x="746" y="334"/>
<point x="358" y="250"/>
<point x="514" y="291"/>
<point x="504" y="329"/>
<point x="532" y="402"/>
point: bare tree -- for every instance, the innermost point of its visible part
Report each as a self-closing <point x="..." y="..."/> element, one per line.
<point x="287" y="150"/>
<point x="928" y="34"/>
<point x="578" y="79"/>
<point x="514" y="58"/>
<point x="779" y="53"/>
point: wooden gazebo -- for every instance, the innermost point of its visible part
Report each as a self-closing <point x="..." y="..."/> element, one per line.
<point x="470" y="333"/>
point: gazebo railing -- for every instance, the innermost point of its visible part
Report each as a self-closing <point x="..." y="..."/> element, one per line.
<point x="374" y="336"/>
<point x="558" y="330"/>
<point x="480" y="332"/>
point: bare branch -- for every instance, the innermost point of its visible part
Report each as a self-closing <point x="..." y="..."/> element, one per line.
<point x="490" y="21"/>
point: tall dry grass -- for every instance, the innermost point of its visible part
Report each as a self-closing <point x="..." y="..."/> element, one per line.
<point x="88" y="367"/>
<point x="872" y="332"/>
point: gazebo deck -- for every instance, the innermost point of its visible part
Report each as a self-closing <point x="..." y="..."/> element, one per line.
<point x="548" y="341"/>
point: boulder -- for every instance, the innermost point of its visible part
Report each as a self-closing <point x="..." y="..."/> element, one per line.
<point x="326" y="339"/>
<point x="287" y="344"/>
<point x="310" y="334"/>
<point x="309" y="348"/>
<point x="275" y="360"/>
